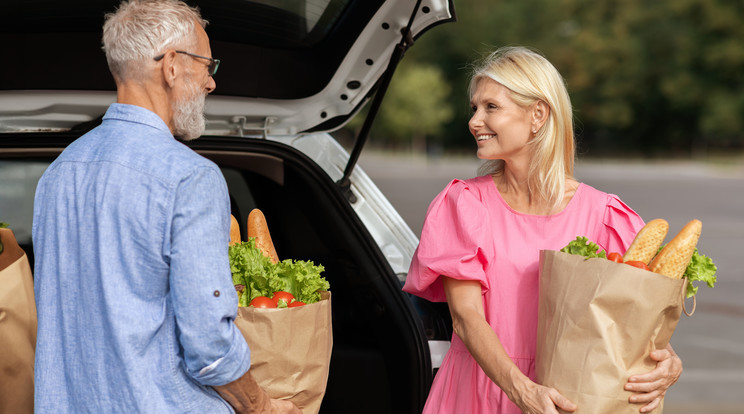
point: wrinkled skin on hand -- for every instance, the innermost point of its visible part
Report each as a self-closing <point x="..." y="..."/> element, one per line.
<point x="650" y="388"/>
<point x="538" y="399"/>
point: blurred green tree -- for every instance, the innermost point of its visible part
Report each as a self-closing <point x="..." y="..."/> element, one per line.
<point x="662" y="77"/>
<point x="416" y="106"/>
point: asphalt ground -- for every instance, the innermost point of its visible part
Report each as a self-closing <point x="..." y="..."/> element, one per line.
<point x="711" y="341"/>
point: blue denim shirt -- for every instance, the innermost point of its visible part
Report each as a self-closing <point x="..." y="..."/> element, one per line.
<point x="132" y="279"/>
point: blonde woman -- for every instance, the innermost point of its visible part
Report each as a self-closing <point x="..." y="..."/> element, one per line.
<point x="481" y="239"/>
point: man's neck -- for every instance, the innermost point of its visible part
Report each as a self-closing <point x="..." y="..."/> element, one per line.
<point x="147" y="96"/>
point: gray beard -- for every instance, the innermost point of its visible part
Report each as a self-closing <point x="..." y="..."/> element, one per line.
<point x="188" y="114"/>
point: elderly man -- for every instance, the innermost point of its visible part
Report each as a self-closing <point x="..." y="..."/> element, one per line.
<point x="133" y="286"/>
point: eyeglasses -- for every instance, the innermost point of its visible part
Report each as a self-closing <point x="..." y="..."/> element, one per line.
<point x="211" y="67"/>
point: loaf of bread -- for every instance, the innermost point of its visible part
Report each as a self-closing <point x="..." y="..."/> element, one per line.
<point x="258" y="228"/>
<point x="234" y="230"/>
<point x="647" y="242"/>
<point x="673" y="259"/>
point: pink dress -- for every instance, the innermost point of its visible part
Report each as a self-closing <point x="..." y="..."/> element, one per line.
<point x="471" y="233"/>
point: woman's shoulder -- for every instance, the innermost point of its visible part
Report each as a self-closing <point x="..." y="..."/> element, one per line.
<point x="474" y="189"/>
<point x="595" y="197"/>
<point x="614" y="212"/>
<point x="463" y="196"/>
<point x="479" y="183"/>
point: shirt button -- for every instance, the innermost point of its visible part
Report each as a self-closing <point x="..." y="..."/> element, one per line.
<point x="216" y="293"/>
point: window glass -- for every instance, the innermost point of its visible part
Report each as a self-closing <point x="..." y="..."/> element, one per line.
<point x="267" y="23"/>
<point x="273" y="23"/>
<point x="18" y="181"/>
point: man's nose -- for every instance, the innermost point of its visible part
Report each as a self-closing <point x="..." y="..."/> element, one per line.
<point x="211" y="84"/>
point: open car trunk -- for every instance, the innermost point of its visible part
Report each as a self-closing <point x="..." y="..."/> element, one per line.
<point x="377" y="351"/>
<point x="380" y="361"/>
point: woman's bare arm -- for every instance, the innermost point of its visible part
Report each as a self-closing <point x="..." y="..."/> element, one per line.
<point x="469" y="322"/>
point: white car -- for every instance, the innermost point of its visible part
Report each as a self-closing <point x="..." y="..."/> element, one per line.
<point x="292" y="72"/>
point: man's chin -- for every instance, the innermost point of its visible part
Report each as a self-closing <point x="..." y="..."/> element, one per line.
<point x="189" y="132"/>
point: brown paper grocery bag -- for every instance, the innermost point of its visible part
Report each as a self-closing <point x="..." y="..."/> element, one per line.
<point x="290" y="350"/>
<point x="598" y="321"/>
<point x="17" y="328"/>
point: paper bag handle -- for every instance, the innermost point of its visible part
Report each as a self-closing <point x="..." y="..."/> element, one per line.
<point x="694" y="305"/>
<point x="694" y="300"/>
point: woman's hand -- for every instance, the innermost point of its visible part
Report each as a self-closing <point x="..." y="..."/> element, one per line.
<point x="650" y="388"/>
<point x="538" y="399"/>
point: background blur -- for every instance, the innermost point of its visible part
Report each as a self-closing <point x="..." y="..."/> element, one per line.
<point x="662" y="78"/>
<point x="658" y="94"/>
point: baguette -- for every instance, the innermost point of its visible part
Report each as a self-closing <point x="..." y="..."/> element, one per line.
<point x="259" y="229"/>
<point x="234" y="230"/>
<point x="673" y="259"/>
<point x="647" y="242"/>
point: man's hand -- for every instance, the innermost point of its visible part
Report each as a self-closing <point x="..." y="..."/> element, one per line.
<point x="247" y="397"/>
<point x="283" y="407"/>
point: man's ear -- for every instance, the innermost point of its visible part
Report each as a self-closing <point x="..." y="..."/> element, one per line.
<point x="170" y="68"/>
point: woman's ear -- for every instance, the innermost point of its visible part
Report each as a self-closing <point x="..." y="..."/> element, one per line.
<point x="540" y="113"/>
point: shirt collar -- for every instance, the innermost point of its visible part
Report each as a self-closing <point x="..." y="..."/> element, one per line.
<point x="138" y="114"/>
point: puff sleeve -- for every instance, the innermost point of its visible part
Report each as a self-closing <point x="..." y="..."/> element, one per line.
<point x="621" y="224"/>
<point x="454" y="242"/>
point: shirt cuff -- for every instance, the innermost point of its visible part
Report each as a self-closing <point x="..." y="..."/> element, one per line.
<point x="230" y="367"/>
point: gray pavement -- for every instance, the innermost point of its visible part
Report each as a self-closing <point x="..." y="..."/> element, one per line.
<point x="711" y="341"/>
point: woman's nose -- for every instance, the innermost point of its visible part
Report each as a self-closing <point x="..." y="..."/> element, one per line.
<point x="475" y="120"/>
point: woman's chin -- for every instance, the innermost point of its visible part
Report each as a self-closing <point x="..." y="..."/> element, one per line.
<point x="484" y="155"/>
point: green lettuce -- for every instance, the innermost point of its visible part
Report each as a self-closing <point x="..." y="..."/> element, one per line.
<point x="700" y="269"/>
<point x="583" y="247"/>
<point x="3" y="225"/>
<point x="261" y="277"/>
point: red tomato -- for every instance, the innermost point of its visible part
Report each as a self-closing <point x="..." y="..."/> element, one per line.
<point x="615" y="257"/>
<point x="281" y="295"/>
<point x="263" y="302"/>
<point x="296" y="304"/>
<point x="638" y="264"/>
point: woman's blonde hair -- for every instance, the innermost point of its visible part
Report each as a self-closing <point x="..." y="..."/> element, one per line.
<point x="530" y="78"/>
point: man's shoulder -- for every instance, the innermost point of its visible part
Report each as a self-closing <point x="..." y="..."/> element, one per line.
<point x="181" y="152"/>
<point x="149" y="150"/>
<point x="175" y="160"/>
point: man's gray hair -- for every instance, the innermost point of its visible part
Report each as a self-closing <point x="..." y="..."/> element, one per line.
<point x="139" y="30"/>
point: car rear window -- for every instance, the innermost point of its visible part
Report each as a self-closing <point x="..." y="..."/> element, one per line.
<point x="261" y="44"/>
<point x="269" y="23"/>
<point x="274" y="23"/>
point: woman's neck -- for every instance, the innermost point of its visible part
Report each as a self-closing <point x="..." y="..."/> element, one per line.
<point x="514" y="188"/>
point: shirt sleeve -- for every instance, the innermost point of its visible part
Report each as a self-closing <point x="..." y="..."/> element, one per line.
<point x="201" y="289"/>
<point x="453" y="243"/>
<point x="621" y="224"/>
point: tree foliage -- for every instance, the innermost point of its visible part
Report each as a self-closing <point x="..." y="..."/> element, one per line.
<point x="648" y="77"/>
<point x="416" y="106"/>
